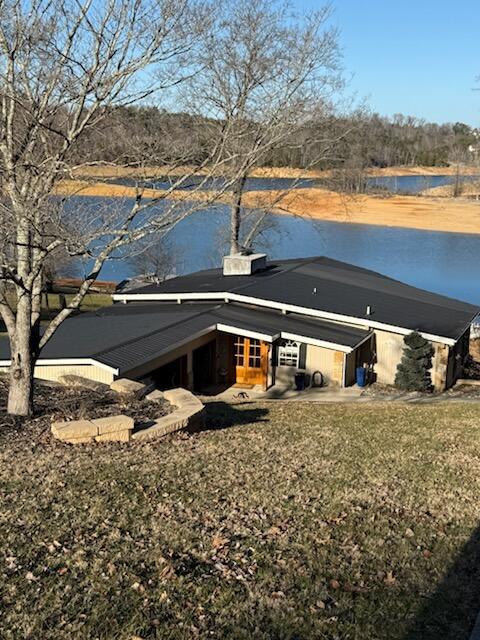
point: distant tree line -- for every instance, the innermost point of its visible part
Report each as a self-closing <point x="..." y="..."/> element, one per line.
<point x="360" y="140"/>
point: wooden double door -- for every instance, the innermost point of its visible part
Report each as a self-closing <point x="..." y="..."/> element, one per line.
<point x="251" y="361"/>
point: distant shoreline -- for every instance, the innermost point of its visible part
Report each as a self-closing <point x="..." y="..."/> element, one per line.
<point x="428" y="213"/>
<point x="451" y="215"/>
<point x="105" y="171"/>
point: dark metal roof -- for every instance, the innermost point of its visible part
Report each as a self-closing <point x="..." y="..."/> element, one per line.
<point x="88" y="334"/>
<point x="128" y="336"/>
<point x="272" y="323"/>
<point x="335" y="287"/>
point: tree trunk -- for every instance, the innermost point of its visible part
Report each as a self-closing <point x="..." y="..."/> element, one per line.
<point x="20" y="394"/>
<point x="235" y="215"/>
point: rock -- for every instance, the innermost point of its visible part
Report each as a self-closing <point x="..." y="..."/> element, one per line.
<point x="79" y="440"/>
<point x="112" y="424"/>
<point x="111" y="429"/>
<point x="129" y="387"/>
<point x="116" y="436"/>
<point x="155" y="396"/>
<point x="189" y="413"/>
<point x="74" y="429"/>
<point x="72" y="380"/>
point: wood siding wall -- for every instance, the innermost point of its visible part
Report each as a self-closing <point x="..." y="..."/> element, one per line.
<point x="53" y="372"/>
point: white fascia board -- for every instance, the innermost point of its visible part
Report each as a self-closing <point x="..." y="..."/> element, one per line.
<point x="317" y="343"/>
<point x="67" y="361"/>
<point x="364" y="340"/>
<point x="168" y="297"/>
<point x="367" y="323"/>
<point x="246" y="333"/>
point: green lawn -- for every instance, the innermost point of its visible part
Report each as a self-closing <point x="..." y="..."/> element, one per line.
<point x="284" y="521"/>
<point x="91" y="301"/>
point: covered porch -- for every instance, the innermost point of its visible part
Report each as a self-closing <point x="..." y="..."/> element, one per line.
<point x="244" y="359"/>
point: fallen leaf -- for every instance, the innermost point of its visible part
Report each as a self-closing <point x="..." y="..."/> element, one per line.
<point x="334" y="584"/>
<point x="389" y="578"/>
<point x="218" y="541"/>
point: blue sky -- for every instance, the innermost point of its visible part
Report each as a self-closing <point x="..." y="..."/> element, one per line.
<point x="418" y="58"/>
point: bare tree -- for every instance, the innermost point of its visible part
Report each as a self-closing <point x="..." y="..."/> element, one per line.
<point x="155" y="259"/>
<point x="65" y="65"/>
<point x="265" y="72"/>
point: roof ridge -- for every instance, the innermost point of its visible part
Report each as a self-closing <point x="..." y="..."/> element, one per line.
<point x="274" y="275"/>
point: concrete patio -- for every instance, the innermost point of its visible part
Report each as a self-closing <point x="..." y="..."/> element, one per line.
<point x="287" y="393"/>
<point x="464" y="391"/>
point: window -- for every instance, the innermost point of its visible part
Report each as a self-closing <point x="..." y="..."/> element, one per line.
<point x="240" y="352"/>
<point x="289" y="353"/>
<point x="254" y="358"/>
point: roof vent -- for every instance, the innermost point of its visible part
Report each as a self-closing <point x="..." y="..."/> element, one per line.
<point x="369" y="310"/>
<point x="239" y="264"/>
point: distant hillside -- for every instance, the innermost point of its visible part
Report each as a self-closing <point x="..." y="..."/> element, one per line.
<point x="356" y="142"/>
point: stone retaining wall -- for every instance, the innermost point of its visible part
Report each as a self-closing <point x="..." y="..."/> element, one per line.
<point x="189" y="412"/>
<point x="112" y="429"/>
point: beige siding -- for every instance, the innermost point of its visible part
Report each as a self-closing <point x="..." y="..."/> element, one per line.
<point x="389" y="350"/>
<point x="53" y="372"/>
<point x="327" y="361"/>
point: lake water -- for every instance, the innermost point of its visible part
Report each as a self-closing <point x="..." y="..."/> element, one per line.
<point x="395" y="184"/>
<point x="414" y="184"/>
<point x="447" y="263"/>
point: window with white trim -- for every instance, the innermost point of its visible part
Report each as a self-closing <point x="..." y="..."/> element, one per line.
<point x="289" y="353"/>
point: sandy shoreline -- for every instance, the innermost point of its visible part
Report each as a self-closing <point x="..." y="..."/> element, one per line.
<point x="454" y="215"/>
<point x="267" y="172"/>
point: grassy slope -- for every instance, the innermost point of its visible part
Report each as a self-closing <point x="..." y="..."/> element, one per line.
<point x="298" y="521"/>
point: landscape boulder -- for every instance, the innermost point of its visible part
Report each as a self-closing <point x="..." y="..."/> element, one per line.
<point x="124" y="386"/>
<point x="112" y="429"/>
<point x="155" y="396"/>
<point x="72" y="380"/>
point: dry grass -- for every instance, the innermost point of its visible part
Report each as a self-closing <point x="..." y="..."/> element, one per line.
<point x="467" y="189"/>
<point x="91" y="302"/>
<point x="284" y="521"/>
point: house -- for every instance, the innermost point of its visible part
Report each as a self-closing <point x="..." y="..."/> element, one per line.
<point x="258" y="322"/>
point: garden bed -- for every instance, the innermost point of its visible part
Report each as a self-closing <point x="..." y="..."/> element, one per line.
<point x="54" y="402"/>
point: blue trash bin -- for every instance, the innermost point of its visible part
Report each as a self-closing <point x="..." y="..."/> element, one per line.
<point x="361" y="376"/>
